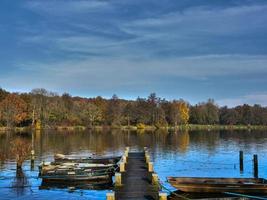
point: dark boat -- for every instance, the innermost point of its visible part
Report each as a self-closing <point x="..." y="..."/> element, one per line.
<point x="100" y="160"/>
<point x="48" y="168"/>
<point x="219" y="185"/>
<point x="75" y="175"/>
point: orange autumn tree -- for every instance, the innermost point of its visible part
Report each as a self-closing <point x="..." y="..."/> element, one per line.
<point x="13" y="110"/>
<point x="20" y="149"/>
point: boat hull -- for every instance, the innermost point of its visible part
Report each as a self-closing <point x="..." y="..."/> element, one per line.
<point x="108" y="160"/>
<point x="219" y="185"/>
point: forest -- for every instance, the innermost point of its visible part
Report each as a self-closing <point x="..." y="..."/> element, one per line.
<point x="43" y="108"/>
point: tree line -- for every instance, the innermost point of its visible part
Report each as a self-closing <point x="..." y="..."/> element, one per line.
<point x="47" y="109"/>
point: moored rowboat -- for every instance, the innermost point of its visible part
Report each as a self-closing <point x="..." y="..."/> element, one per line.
<point x="57" y="174"/>
<point x="102" y="160"/>
<point x="219" y="185"/>
<point x="52" y="165"/>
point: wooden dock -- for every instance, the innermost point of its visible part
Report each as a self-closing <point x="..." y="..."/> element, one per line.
<point x="136" y="179"/>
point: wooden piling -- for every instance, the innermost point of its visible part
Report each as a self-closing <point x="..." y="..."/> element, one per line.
<point x="122" y="167"/>
<point x="110" y="196"/>
<point x="241" y="161"/>
<point x="147" y="158"/>
<point x="126" y="152"/>
<point x="32" y="155"/>
<point x="255" y="165"/>
<point x="150" y="167"/>
<point x="124" y="159"/>
<point x="118" y="179"/>
<point x="155" y="179"/>
<point x="163" y="196"/>
<point x="32" y="160"/>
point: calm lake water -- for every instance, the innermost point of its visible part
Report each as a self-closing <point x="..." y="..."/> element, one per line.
<point x="196" y="153"/>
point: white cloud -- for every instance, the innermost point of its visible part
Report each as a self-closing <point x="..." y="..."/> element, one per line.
<point x="251" y="99"/>
<point x="117" y="72"/>
<point x="66" y="7"/>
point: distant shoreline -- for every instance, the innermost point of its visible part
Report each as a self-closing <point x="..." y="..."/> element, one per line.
<point x="190" y="127"/>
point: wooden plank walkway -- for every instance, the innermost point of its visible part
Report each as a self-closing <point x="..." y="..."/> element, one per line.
<point x="136" y="181"/>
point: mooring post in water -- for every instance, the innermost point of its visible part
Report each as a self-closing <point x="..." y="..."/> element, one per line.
<point x="155" y="179"/>
<point x="32" y="159"/>
<point x="110" y="196"/>
<point x="163" y="196"/>
<point x="150" y="167"/>
<point x="117" y="179"/>
<point x="255" y="164"/>
<point x="241" y="161"/>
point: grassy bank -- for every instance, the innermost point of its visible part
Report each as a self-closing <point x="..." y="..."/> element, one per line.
<point x="220" y="127"/>
<point x="143" y="127"/>
<point x="16" y="129"/>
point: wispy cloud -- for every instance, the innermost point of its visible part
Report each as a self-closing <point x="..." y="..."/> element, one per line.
<point x="66" y="7"/>
<point x="251" y="99"/>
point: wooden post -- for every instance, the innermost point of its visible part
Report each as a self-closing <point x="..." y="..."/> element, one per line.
<point x="124" y="159"/>
<point x="127" y="149"/>
<point x="147" y="159"/>
<point x="241" y="161"/>
<point x="255" y="163"/>
<point x="162" y="196"/>
<point x="122" y="167"/>
<point x="32" y="160"/>
<point x="126" y="152"/>
<point x="118" y="179"/>
<point x="155" y="179"/>
<point x="150" y="167"/>
<point x="110" y="196"/>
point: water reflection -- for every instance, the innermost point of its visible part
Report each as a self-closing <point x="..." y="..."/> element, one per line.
<point x="103" y="185"/>
<point x="195" y="153"/>
<point x="20" y="183"/>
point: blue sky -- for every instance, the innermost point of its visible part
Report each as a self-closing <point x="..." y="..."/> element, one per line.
<point x="190" y="49"/>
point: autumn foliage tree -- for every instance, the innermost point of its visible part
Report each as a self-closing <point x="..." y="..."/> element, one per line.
<point x="13" y="110"/>
<point x="20" y="149"/>
<point x="179" y="112"/>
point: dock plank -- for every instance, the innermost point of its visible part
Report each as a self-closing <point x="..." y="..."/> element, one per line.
<point x="136" y="181"/>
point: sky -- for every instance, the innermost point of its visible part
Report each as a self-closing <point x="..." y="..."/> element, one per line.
<point x="190" y="49"/>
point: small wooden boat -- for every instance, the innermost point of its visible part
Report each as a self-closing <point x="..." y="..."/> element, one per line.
<point x="219" y="185"/>
<point x="74" y="175"/>
<point x="102" y="160"/>
<point x="46" y="167"/>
